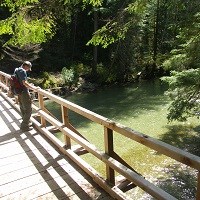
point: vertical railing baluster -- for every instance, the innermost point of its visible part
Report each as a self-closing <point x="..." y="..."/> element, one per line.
<point x="109" y="149"/>
<point x="1" y="78"/>
<point x="41" y="106"/>
<point x="7" y="82"/>
<point x="65" y="119"/>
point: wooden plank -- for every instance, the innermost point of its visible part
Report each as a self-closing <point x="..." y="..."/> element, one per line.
<point x="38" y="188"/>
<point x="65" y="120"/>
<point x="126" y="172"/>
<point x="25" y="180"/>
<point x="41" y="106"/>
<point x="4" y="74"/>
<point x="87" y="168"/>
<point x="166" y="149"/>
<point x="10" y="100"/>
<point x="96" y="176"/>
<point x="19" y="164"/>
<point x="29" y="184"/>
<point x="109" y="149"/>
<point x="173" y="152"/>
<point x="41" y="169"/>
<point x="31" y="155"/>
<point x="65" y="187"/>
<point x="33" y="144"/>
<point x="124" y="184"/>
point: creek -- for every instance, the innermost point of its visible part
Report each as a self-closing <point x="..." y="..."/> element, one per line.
<point x="142" y="107"/>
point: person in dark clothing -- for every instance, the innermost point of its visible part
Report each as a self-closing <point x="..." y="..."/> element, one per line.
<point x="24" y="97"/>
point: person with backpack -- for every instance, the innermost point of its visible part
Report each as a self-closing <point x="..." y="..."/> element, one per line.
<point x="24" y="97"/>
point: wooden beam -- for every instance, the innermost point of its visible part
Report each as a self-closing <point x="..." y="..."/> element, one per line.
<point x="41" y="106"/>
<point x="65" y="119"/>
<point x="124" y="184"/>
<point x="112" y="160"/>
<point x="164" y="148"/>
<point x="126" y="172"/>
<point x="109" y="149"/>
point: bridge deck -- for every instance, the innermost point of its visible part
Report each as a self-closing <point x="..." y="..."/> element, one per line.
<point x="33" y="168"/>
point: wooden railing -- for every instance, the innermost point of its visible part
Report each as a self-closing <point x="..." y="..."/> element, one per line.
<point x="112" y="161"/>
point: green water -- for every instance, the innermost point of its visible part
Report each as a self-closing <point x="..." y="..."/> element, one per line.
<point x="142" y="107"/>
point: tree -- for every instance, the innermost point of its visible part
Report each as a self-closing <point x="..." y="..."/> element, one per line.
<point x="30" y="23"/>
<point x="184" y="90"/>
<point x="24" y="30"/>
<point x="184" y="83"/>
<point x="25" y="25"/>
<point x="35" y="22"/>
<point x="135" y="35"/>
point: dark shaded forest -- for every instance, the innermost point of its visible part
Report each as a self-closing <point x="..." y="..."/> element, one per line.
<point x="106" y="42"/>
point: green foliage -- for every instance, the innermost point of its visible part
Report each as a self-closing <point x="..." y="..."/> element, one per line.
<point x="23" y="27"/>
<point x="6" y="26"/>
<point x="138" y="7"/>
<point x="188" y="54"/>
<point x="14" y="5"/>
<point x="184" y="90"/>
<point x="69" y="76"/>
<point x="135" y="33"/>
<point x="106" y="75"/>
<point x="49" y="81"/>
<point x="116" y="29"/>
<point x="81" y="69"/>
<point x="109" y="34"/>
<point x="176" y="62"/>
<point x="102" y="74"/>
<point x="26" y="32"/>
<point x="94" y="3"/>
<point x="184" y="83"/>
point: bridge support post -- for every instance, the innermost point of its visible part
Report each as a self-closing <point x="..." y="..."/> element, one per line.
<point x="1" y="80"/>
<point x="41" y="106"/>
<point x="65" y="119"/>
<point x="109" y="149"/>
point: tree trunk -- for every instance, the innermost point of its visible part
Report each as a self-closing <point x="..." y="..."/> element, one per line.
<point x="156" y="27"/>
<point x="95" y="50"/>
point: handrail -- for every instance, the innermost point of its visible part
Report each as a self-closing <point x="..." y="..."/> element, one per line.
<point x="109" y="157"/>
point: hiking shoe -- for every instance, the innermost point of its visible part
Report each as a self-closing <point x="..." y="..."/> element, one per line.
<point x="26" y="129"/>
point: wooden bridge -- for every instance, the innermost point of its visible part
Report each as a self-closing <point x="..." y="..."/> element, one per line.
<point x="36" y="165"/>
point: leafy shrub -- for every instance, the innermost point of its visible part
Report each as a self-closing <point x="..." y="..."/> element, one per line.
<point x="69" y="76"/>
<point x="49" y="81"/>
<point x="102" y="74"/>
<point x="81" y="69"/>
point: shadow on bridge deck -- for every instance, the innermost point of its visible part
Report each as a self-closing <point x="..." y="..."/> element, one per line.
<point x="32" y="168"/>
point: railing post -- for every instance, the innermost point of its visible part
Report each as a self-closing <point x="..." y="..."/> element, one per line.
<point x="109" y="149"/>
<point x="198" y="186"/>
<point x="65" y="119"/>
<point x="7" y="82"/>
<point x="1" y="78"/>
<point x="41" y="106"/>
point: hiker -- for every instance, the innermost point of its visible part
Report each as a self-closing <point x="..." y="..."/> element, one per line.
<point x="24" y="97"/>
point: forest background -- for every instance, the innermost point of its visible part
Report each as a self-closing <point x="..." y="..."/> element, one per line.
<point x="106" y="42"/>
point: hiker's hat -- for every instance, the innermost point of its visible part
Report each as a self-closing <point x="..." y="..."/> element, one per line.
<point x="28" y="63"/>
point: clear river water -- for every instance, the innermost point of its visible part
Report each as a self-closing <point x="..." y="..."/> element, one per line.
<point x="142" y="107"/>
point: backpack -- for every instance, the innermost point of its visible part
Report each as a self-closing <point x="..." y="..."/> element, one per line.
<point x="15" y="85"/>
